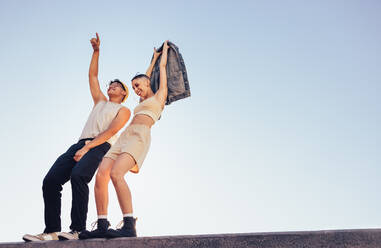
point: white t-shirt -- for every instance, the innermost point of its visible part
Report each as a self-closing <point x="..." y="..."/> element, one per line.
<point x="100" y="119"/>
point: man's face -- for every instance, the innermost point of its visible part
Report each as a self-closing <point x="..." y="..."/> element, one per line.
<point x="115" y="89"/>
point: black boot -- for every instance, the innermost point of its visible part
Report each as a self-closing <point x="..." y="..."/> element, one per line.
<point x="100" y="232"/>
<point x="128" y="229"/>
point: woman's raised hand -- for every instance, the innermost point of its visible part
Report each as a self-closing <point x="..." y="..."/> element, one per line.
<point x="166" y="45"/>
<point x="163" y="61"/>
<point x="95" y="42"/>
<point x="156" y="54"/>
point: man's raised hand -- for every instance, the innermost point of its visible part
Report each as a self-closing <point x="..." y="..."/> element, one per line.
<point x="95" y="42"/>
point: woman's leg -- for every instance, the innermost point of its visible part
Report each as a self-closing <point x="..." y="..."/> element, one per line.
<point x="122" y="165"/>
<point x="101" y="200"/>
<point x="101" y="185"/>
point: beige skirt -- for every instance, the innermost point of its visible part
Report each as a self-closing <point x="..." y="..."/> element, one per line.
<point x="134" y="140"/>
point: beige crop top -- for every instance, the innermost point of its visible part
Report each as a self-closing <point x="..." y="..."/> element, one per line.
<point x="151" y="107"/>
<point x="100" y="119"/>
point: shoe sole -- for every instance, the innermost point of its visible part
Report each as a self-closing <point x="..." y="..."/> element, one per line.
<point x="65" y="236"/>
<point x="90" y="235"/>
<point x="30" y="239"/>
<point x="113" y="234"/>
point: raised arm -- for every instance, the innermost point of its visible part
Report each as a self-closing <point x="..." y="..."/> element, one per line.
<point x="162" y="93"/>
<point x="95" y="90"/>
<point x="153" y="61"/>
<point x="119" y="121"/>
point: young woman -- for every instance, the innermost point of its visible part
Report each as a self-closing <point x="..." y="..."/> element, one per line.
<point x="128" y="153"/>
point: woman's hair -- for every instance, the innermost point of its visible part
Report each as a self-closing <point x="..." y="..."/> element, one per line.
<point x="140" y="76"/>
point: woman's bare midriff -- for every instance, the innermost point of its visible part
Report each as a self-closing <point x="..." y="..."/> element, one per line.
<point x="142" y="120"/>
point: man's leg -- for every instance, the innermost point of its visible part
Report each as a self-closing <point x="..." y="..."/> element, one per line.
<point x="81" y="175"/>
<point x="57" y="176"/>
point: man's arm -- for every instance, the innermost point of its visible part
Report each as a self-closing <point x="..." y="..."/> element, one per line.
<point x="153" y="61"/>
<point x="95" y="90"/>
<point x="119" y="121"/>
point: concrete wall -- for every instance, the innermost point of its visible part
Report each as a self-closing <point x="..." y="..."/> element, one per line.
<point x="365" y="238"/>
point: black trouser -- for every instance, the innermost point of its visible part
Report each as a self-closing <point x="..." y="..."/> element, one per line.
<point x="80" y="174"/>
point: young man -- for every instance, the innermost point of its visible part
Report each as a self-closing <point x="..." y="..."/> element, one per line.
<point x="79" y="163"/>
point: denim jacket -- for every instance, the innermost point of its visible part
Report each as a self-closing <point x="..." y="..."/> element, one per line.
<point x="177" y="79"/>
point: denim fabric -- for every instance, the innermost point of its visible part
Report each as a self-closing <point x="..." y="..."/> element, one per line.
<point x="79" y="173"/>
<point x="177" y="78"/>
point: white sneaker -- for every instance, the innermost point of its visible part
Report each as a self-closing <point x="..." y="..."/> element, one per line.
<point x="40" y="237"/>
<point x="72" y="235"/>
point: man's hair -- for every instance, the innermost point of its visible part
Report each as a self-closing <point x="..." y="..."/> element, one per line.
<point x="119" y="82"/>
<point x="140" y="76"/>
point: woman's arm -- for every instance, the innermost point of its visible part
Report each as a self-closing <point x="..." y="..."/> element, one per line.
<point x="153" y="61"/>
<point x="95" y="90"/>
<point x="162" y="93"/>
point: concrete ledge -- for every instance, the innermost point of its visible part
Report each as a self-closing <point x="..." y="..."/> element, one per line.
<point x="363" y="238"/>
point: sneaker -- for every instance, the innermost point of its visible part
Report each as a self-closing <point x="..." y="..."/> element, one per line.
<point x="72" y="235"/>
<point x="100" y="232"/>
<point x="127" y="229"/>
<point x="40" y="237"/>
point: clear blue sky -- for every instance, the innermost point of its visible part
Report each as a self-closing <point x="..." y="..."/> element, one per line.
<point x="282" y="131"/>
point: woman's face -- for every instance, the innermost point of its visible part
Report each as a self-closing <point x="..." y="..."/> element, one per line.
<point x="141" y="86"/>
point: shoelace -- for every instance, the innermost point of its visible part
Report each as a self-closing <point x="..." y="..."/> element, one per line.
<point x="120" y="225"/>
<point x="44" y="235"/>
<point x="95" y="224"/>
